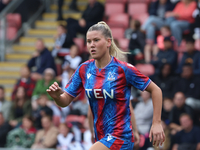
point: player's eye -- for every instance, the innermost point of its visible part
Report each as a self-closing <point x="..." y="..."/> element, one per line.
<point x="88" y="41"/>
<point x="96" y="40"/>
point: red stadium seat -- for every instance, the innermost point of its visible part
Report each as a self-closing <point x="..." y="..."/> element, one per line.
<point x="116" y="1"/>
<point x="197" y="44"/>
<point x="146" y="69"/>
<point x="11" y="33"/>
<point x="56" y="120"/>
<point x="141" y="17"/>
<point x="117" y="33"/>
<point x="14" y="20"/>
<point x="137" y="8"/>
<point x="80" y="43"/>
<point x="140" y="1"/>
<point x="114" y="8"/>
<point x="118" y="20"/>
<point x="123" y="43"/>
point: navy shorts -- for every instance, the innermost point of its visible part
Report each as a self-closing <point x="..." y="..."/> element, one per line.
<point x="116" y="144"/>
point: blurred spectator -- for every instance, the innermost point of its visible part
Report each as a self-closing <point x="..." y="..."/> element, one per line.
<point x="165" y="31"/>
<point x="189" y="84"/>
<point x="195" y="27"/>
<point x="155" y="22"/>
<point x="43" y="84"/>
<point x="21" y="106"/>
<point x="70" y="64"/>
<point x="191" y="56"/>
<point x="189" y="137"/>
<point x="3" y="4"/>
<point x="92" y="14"/>
<point x="5" y="105"/>
<point x="168" y="55"/>
<point x="4" y="129"/>
<point x="72" y="6"/>
<point x="180" y="18"/>
<point x="87" y="142"/>
<point x="64" y="138"/>
<point x="40" y="60"/>
<point x="136" y="43"/>
<point x="40" y="109"/>
<point x="179" y="108"/>
<point x="167" y="107"/>
<point x="81" y="106"/>
<point x="46" y="137"/>
<point x="144" y="113"/>
<point x="62" y="43"/>
<point x="25" y="81"/>
<point x="165" y="80"/>
<point x="23" y="136"/>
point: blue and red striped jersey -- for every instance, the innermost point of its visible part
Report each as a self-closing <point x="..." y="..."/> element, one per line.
<point x="108" y="90"/>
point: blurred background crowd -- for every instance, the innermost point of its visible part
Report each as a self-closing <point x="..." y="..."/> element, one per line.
<point x="163" y="41"/>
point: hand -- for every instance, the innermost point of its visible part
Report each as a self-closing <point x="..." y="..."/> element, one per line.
<point x="137" y="138"/>
<point x="82" y="23"/>
<point x="35" y="54"/>
<point x="169" y="14"/>
<point x="57" y="47"/>
<point x="13" y="123"/>
<point x="55" y="91"/>
<point x="175" y="147"/>
<point x="157" y="133"/>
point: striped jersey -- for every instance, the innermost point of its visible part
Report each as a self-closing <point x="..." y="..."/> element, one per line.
<point x="108" y="90"/>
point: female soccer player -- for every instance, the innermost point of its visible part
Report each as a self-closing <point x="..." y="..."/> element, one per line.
<point x="107" y="83"/>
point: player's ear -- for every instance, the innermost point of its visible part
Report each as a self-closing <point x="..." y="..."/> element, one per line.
<point x="109" y="42"/>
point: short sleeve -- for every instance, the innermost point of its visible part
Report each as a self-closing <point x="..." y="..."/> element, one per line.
<point x="136" y="79"/>
<point x="74" y="86"/>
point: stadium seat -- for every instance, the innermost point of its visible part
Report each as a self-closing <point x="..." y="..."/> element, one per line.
<point x="197" y="44"/>
<point x="137" y="8"/>
<point x="11" y="33"/>
<point x="114" y="8"/>
<point x="14" y="20"/>
<point x="123" y="43"/>
<point x="146" y="69"/>
<point x="80" y="43"/>
<point x="116" y="1"/>
<point x="117" y="33"/>
<point x="56" y="120"/>
<point x="118" y="20"/>
<point x="141" y="1"/>
<point x="141" y="17"/>
<point x="75" y="118"/>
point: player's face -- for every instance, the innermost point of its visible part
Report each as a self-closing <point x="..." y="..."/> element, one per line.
<point x="97" y="44"/>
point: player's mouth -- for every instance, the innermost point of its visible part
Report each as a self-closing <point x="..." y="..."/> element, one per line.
<point x="93" y="51"/>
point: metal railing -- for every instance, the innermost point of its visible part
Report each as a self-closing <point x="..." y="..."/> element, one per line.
<point x="12" y="6"/>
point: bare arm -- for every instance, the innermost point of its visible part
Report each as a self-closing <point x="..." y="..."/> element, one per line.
<point x="198" y="146"/>
<point x="60" y="97"/>
<point x="156" y="128"/>
<point x="175" y="126"/>
<point x="134" y="126"/>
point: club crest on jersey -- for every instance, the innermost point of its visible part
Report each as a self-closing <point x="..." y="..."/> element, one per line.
<point x="109" y="137"/>
<point x="111" y="76"/>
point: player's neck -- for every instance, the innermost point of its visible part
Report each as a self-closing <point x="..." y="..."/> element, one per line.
<point x="102" y="62"/>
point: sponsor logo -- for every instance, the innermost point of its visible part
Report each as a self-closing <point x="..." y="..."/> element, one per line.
<point x="89" y="75"/>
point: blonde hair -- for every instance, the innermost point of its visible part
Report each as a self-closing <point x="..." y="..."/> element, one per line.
<point x="107" y="33"/>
